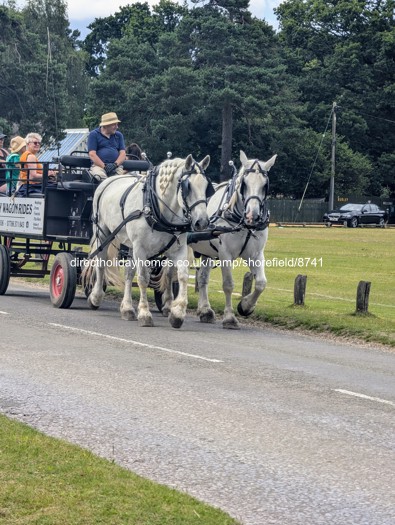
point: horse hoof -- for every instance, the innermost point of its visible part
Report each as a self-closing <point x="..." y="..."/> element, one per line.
<point x="176" y="322"/>
<point x="241" y="311"/>
<point x="146" y="322"/>
<point x="129" y="315"/>
<point x="207" y="317"/>
<point x="165" y="311"/>
<point x="91" y="305"/>
<point x="231" y="324"/>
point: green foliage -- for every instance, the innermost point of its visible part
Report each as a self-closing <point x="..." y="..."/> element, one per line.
<point x="43" y="83"/>
<point x="344" y="51"/>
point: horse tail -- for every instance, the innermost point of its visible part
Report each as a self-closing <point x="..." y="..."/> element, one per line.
<point x="87" y="274"/>
<point x="112" y="275"/>
<point x="165" y="278"/>
<point x="111" y="271"/>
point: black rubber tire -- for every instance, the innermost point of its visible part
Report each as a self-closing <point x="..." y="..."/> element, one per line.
<point x="5" y="269"/>
<point x="158" y="295"/>
<point x="63" y="281"/>
<point x="382" y="223"/>
<point x="353" y="223"/>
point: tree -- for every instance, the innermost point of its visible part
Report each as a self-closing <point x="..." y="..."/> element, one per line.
<point x="344" y="51"/>
<point x="42" y="87"/>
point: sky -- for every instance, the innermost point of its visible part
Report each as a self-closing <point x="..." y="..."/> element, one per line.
<point x="83" y="12"/>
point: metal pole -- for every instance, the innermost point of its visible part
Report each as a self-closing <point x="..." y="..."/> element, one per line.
<point x="333" y="160"/>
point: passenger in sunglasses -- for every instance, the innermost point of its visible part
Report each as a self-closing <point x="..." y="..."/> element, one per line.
<point x="33" y="168"/>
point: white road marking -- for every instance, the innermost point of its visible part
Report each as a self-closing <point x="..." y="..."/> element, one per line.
<point x="363" y="396"/>
<point x="137" y="343"/>
<point x="4" y="313"/>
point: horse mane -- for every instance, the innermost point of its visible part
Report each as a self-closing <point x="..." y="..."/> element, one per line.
<point x="233" y="199"/>
<point x="167" y="170"/>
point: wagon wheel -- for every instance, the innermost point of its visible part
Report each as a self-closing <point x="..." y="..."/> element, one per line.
<point x="63" y="281"/>
<point x="158" y="295"/>
<point x="5" y="269"/>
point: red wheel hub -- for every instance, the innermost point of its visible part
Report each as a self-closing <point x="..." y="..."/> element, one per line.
<point x="57" y="282"/>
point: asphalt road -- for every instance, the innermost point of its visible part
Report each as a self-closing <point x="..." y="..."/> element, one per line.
<point x="273" y="427"/>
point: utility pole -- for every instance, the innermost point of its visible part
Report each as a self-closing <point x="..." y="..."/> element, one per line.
<point x="333" y="160"/>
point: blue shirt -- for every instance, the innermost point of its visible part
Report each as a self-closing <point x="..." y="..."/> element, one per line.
<point x="107" y="149"/>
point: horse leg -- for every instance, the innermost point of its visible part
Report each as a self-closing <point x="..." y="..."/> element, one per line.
<point x="128" y="313"/>
<point x="229" y="320"/>
<point x="205" y="312"/>
<point x="178" y="308"/>
<point x="248" y="303"/>
<point x="144" y="316"/>
<point x="168" y="297"/>
<point x="97" y="294"/>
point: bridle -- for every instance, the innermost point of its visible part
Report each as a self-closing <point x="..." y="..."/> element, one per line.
<point x="239" y="216"/>
<point x="184" y="186"/>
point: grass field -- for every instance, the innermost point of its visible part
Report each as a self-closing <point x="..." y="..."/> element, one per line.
<point x="44" y="481"/>
<point x="334" y="260"/>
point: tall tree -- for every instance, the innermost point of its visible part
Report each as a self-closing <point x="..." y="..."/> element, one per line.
<point x="344" y="51"/>
<point x="42" y="87"/>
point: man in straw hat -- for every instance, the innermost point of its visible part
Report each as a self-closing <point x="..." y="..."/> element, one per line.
<point x="106" y="147"/>
<point x="17" y="147"/>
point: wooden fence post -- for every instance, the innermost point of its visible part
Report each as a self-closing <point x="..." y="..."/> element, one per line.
<point x="247" y="284"/>
<point x="300" y="289"/>
<point x="363" y="291"/>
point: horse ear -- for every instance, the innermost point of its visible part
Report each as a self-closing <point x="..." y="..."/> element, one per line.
<point x="269" y="163"/>
<point x="205" y="162"/>
<point x="243" y="158"/>
<point x="188" y="162"/>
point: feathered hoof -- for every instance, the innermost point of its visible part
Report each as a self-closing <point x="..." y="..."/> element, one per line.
<point x="165" y="311"/>
<point x="176" y="322"/>
<point x="231" y="324"/>
<point x="91" y="305"/>
<point x="244" y="311"/>
<point x="146" y="321"/>
<point x="207" y="317"/>
<point x="128" y="315"/>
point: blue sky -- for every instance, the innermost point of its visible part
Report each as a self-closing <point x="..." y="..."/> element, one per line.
<point x="82" y="13"/>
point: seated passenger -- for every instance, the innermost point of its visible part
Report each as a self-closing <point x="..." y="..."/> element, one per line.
<point x="31" y="168"/>
<point x="17" y="148"/>
<point x="133" y="152"/>
<point x="106" y="148"/>
<point x="3" y="156"/>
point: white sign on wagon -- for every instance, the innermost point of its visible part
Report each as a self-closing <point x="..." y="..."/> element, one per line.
<point x="22" y="215"/>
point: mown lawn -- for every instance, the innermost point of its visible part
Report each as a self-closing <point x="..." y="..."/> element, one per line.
<point x="45" y="481"/>
<point x="339" y="259"/>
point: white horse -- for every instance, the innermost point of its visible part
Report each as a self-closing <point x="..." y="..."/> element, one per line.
<point x="239" y="208"/>
<point x="150" y="215"/>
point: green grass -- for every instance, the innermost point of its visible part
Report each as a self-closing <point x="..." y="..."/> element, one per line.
<point x="45" y="481"/>
<point x="348" y="256"/>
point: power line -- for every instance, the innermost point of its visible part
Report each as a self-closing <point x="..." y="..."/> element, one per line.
<point x="315" y="160"/>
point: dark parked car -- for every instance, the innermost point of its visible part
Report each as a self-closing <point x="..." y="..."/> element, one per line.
<point x="357" y="214"/>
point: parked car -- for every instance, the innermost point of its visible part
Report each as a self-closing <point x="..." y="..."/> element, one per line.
<point x="354" y="215"/>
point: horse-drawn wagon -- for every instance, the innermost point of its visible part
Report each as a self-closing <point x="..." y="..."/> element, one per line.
<point x="55" y="222"/>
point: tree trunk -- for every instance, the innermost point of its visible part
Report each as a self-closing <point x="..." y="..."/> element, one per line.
<point x="226" y="151"/>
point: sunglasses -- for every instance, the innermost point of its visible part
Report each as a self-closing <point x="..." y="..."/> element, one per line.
<point x="35" y="143"/>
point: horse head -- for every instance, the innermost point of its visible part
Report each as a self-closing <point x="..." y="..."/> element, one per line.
<point x="253" y="187"/>
<point x="194" y="190"/>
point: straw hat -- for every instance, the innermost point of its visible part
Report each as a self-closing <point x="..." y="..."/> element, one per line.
<point x="109" y="118"/>
<point x="16" y="144"/>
